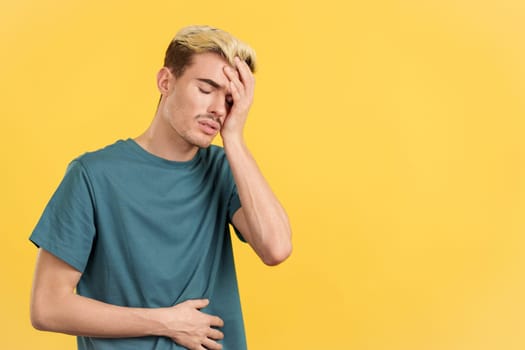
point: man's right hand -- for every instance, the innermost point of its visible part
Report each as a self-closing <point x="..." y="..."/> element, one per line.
<point x="188" y="326"/>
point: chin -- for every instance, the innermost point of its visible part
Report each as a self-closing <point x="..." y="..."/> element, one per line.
<point x="203" y="143"/>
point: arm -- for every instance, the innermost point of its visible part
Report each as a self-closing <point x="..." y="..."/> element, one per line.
<point x="261" y="219"/>
<point x="55" y="307"/>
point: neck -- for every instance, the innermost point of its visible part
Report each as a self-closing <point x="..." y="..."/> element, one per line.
<point x="161" y="140"/>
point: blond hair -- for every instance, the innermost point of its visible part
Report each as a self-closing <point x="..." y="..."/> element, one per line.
<point x="199" y="39"/>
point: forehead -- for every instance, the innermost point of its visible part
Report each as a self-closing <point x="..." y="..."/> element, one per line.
<point x="207" y="65"/>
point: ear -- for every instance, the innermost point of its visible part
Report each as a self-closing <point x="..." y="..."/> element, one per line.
<point x="163" y="80"/>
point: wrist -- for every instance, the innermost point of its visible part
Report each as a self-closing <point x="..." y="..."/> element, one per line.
<point x="233" y="141"/>
<point x="156" y="321"/>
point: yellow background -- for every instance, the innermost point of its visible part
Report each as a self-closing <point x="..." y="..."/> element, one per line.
<point x="392" y="131"/>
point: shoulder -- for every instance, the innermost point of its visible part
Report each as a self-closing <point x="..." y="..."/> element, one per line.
<point x="214" y="156"/>
<point x="217" y="165"/>
<point x="103" y="159"/>
<point x="105" y="155"/>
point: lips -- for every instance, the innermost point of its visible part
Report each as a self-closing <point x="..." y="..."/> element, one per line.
<point x="209" y="126"/>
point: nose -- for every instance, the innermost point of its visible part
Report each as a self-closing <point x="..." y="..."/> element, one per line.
<point x="218" y="107"/>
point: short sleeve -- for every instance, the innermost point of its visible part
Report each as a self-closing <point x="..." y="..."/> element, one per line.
<point x="67" y="226"/>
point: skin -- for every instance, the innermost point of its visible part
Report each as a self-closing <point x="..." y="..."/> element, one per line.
<point x="209" y="98"/>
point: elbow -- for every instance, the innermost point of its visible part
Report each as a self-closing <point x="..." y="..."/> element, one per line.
<point x="280" y="251"/>
<point x="278" y="255"/>
<point x="38" y="320"/>
<point x="40" y="314"/>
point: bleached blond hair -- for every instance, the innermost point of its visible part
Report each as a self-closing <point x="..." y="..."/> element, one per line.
<point x="199" y="39"/>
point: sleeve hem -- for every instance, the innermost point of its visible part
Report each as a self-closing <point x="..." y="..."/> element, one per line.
<point x="59" y="253"/>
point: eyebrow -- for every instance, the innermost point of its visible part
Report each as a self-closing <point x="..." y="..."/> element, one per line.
<point x="212" y="83"/>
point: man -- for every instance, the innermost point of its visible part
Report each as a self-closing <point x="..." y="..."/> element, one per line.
<point x="140" y="228"/>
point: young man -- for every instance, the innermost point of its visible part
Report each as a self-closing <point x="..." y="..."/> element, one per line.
<point x="140" y="227"/>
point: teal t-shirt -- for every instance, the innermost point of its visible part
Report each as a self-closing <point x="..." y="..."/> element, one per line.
<point x="148" y="232"/>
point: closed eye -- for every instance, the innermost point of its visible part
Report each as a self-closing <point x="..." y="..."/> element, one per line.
<point x="204" y="91"/>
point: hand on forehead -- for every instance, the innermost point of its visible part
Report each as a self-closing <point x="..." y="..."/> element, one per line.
<point x="241" y="70"/>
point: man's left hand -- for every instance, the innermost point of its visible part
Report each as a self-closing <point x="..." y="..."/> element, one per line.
<point x="242" y="84"/>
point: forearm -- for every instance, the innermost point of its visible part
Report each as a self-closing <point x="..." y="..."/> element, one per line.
<point x="261" y="220"/>
<point x="56" y="308"/>
<point x="77" y="315"/>
<point x="268" y="229"/>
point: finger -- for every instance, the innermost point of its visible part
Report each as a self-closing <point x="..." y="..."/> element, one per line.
<point x="236" y="94"/>
<point x="245" y="74"/>
<point x="215" y="334"/>
<point x="231" y="73"/>
<point x="211" y="345"/>
<point x="216" y="321"/>
<point x="198" y="303"/>
<point x="233" y="76"/>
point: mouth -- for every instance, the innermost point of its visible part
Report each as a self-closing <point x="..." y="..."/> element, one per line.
<point x="209" y="126"/>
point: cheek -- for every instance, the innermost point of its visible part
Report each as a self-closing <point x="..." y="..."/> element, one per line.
<point x="195" y="103"/>
<point x="185" y="106"/>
